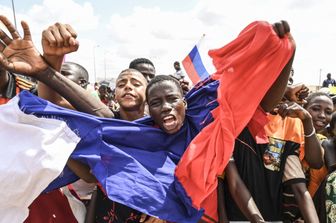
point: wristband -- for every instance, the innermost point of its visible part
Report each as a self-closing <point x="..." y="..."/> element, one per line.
<point x="311" y="134"/>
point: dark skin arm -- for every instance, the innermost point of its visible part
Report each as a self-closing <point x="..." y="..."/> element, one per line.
<point x="82" y="171"/>
<point x="297" y="93"/>
<point x="222" y="217"/>
<point x="91" y="210"/>
<point x="330" y="154"/>
<point x="19" y="55"/>
<point x="305" y="202"/>
<point x="241" y="194"/>
<point x="277" y="90"/>
<point x="313" y="148"/>
<point x="57" y="40"/>
<point x="3" y="80"/>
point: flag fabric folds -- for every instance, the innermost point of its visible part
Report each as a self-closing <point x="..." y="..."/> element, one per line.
<point x="133" y="161"/>
<point x="34" y="152"/>
<point x="140" y="166"/>
<point x="246" y="69"/>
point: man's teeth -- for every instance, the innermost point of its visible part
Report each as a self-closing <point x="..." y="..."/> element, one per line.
<point x="320" y="123"/>
<point x="168" y="118"/>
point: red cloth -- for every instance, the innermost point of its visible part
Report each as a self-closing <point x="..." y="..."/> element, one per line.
<point x="52" y="207"/>
<point x="246" y="68"/>
<point x="3" y="100"/>
<point x="257" y="124"/>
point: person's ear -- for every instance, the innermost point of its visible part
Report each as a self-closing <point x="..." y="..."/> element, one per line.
<point x="185" y="103"/>
<point x="83" y="83"/>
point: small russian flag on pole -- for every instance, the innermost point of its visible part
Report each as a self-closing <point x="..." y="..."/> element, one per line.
<point x="193" y="64"/>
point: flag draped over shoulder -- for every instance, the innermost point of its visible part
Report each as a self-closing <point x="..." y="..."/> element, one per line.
<point x="246" y="69"/>
<point x="133" y="161"/>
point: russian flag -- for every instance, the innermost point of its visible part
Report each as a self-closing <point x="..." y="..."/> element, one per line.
<point x="194" y="65"/>
<point x="246" y="69"/>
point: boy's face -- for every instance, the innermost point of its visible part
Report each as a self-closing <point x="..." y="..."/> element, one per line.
<point x="130" y="90"/>
<point x="166" y="106"/>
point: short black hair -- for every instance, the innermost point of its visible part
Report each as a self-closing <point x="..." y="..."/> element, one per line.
<point x="176" y="62"/>
<point x="160" y="78"/>
<point x="137" y="61"/>
<point x="314" y="95"/>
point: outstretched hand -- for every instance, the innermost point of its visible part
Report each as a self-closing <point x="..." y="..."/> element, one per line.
<point x="19" y="55"/>
<point x="59" y="39"/>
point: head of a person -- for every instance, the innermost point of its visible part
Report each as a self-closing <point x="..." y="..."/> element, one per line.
<point x="320" y="107"/>
<point x="104" y="90"/>
<point x="96" y="85"/>
<point x="177" y="66"/>
<point x="76" y="73"/>
<point x="130" y="90"/>
<point x="329" y="76"/>
<point x="166" y="103"/>
<point x="145" y="66"/>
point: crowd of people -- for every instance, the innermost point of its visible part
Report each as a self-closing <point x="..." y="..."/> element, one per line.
<point x="263" y="154"/>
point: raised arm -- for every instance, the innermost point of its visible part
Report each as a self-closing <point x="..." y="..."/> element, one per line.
<point x="313" y="148"/>
<point x="297" y="93"/>
<point x="277" y="90"/>
<point x="19" y="55"/>
<point x="57" y="40"/>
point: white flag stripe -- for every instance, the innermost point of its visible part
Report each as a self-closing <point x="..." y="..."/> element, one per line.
<point x="38" y="156"/>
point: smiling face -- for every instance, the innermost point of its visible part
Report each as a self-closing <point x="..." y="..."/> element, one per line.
<point x="321" y="109"/>
<point x="130" y="90"/>
<point x="166" y="106"/>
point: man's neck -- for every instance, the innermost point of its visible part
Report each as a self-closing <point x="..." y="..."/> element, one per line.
<point x="132" y="115"/>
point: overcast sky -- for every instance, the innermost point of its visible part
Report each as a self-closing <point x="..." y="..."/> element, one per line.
<point x="115" y="31"/>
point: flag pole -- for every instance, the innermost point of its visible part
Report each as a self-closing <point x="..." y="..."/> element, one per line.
<point x="13" y="8"/>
